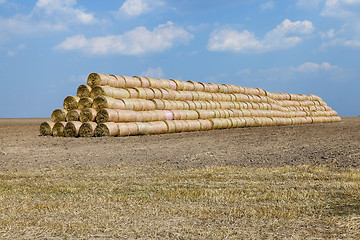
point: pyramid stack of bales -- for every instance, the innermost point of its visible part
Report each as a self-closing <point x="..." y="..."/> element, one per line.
<point x="114" y="105"/>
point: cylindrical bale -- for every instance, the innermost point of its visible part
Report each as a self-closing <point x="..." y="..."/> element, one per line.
<point x="88" y="115"/>
<point x="164" y="93"/>
<point x="83" y="91"/>
<point x="198" y="86"/>
<point x="107" y="129"/>
<point x="126" y="115"/>
<point x="216" y="123"/>
<point x="133" y="128"/>
<point x="213" y="88"/>
<point x="172" y="85"/>
<point x="141" y="93"/>
<point x="250" y="122"/>
<point x="167" y="105"/>
<point x="123" y="129"/>
<point x="58" y="115"/>
<point x="85" y="102"/>
<point x="205" y="124"/>
<point x="73" y="115"/>
<point x="191" y="104"/>
<point x="154" y="83"/>
<point x="143" y="116"/>
<point x="121" y="93"/>
<point x="194" y="125"/>
<point x="171" y="126"/>
<point x="144" y="82"/>
<point x="71" y="102"/>
<point x="87" y="129"/>
<point x="58" y="129"/>
<point x="195" y="95"/>
<point x="188" y="86"/>
<point x="46" y="128"/>
<point x="108" y="102"/>
<point x="172" y="94"/>
<point x="133" y="92"/>
<point x="204" y="114"/>
<point x="159" y="127"/>
<point x="144" y="128"/>
<point x="179" y="84"/>
<point x="120" y="81"/>
<point x="157" y="93"/>
<point x="131" y="82"/>
<point x="191" y="114"/>
<point x="159" y="104"/>
<point x="178" y="125"/>
<point x="107" y="115"/>
<point x="72" y="129"/>
<point x="234" y="122"/>
<point x="197" y="104"/>
<point x="236" y="113"/>
<point x="150" y="94"/>
<point x="185" y="125"/>
<point x="179" y="114"/>
<point x="168" y="115"/>
<point x="97" y="79"/>
<point x="113" y="82"/>
<point x="241" y="122"/>
<point x="130" y="104"/>
<point x="101" y="91"/>
<point x="164" y="83"/>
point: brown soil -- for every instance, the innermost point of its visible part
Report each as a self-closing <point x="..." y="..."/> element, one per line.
<point x="337" y="144"/>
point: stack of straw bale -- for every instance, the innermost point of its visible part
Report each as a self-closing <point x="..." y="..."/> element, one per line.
<point x="115" y="105"/>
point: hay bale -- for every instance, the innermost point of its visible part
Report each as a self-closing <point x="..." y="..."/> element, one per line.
<point x="108" y="102"/>
<point x="71" y="102"/>
<point x="58" y="115"/>
<point x="73" y="115"/>
<point x="97" y="79"/>
<point x="46" y="128"/>
<point x="83" y="91"/>
<point x="72" y="129"/>
<point x="87" y="129"/>
<point x="58" y="129"/>
<point x="106" y="129"/>
<point x="101" y="91"/>
<point x="88" y="115"/>
<point x="85" y="102"/>
<point x="107" y="115"/>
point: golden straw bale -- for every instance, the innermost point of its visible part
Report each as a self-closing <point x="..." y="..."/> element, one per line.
<point x="46" y="128"/>
<point x="97" y="79"/>
<point x="58" y="129"/>
<point x="71" y="102"/>
<point x="87" y="129"/>
<point x="73" y="115"/>
<point x="83" y="91"/>
<point x="106" y="129"/>
<point x="107" y="115"/>
<point x="88" y="115"/>
<point x="58" y="115"/>
<point x="72" y="129"/>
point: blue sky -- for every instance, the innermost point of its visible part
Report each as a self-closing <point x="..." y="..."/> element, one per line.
<point x="48" y="47"/>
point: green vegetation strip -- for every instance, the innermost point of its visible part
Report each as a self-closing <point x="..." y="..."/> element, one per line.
<point x="211" y="203"/>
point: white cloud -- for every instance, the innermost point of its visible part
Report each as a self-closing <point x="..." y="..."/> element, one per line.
<point x="138" y="7"/>
<point x="15" y="51"/>
<point x="284" y="36"/>
<point x="267" y="5"/>
<point x="135" y="42"/>
<point x="310" y="67"/>
<point x="153" y="72"/>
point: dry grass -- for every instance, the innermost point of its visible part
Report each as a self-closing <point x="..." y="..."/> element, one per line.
<point x="306" y="202"/>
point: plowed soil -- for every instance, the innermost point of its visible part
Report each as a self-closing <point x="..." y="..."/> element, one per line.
<point x="336" y="144"/>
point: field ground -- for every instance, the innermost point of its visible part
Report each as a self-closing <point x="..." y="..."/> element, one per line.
<point x="289" y="182"/>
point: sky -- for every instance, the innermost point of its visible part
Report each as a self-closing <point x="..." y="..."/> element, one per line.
<point x="49" y="47"/>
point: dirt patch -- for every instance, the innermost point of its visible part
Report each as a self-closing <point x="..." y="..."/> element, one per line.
<point x="337" y="144"/>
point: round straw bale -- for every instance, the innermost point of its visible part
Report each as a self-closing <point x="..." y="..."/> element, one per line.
<point x="85" y="102"/>
<point x="46" y="128"/>
<point x="205" y="124"/>
<point x="73" y="115"/>
<point x="133" y="92"/>
<point x="83" y="91"/>
<point x="72" y="129"/>
<point x="133" y="128"/>
<point x="171" y="126"/>
<point x="101" y="91"/>
<point x="106" y="129"/>
<point x="179" y="84"/>
<point x="123" y="129"/>
<point x="71" y="102"/>
<point x="58" y="115"/>
<point x="126" y="115"/>
<point x="87" y="129"/>
<point x="159" y="127"/>
<point x="131" y="82"/>
<point x="144" y="128"/>
<point x="97" y="79"/>
<point x="58" y="129"/>
<point x="107" y="115"/>
<point x="88" y="115"/>
<point x="144" y="81"/>
<point x="120" y="81"/>
<point x="120" y="93"/>
<point x="108" y="102"/>
<point x="112" y="82"/>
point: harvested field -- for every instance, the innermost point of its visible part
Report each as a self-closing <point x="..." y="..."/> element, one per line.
<point x="300" y="181"/>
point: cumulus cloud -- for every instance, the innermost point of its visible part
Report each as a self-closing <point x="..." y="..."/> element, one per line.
<point x="138" y="7"/>
<point x="135" y="42"/>
<point x="285" y="35"/>
<point x="153" y="72"/>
